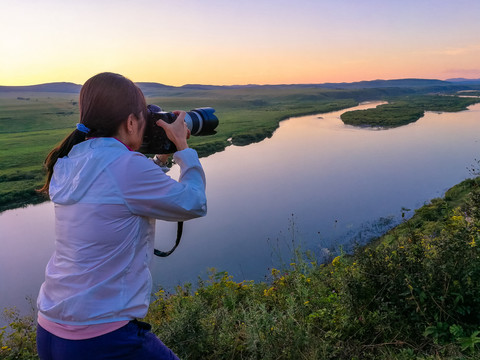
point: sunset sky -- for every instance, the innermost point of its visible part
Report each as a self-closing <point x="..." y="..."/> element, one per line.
<point x="226" y="42"/>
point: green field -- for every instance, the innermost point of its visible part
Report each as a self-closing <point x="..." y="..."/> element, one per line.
<point x="32" y="123"/>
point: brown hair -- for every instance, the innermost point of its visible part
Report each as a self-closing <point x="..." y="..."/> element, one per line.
<point x="106" y="101"/>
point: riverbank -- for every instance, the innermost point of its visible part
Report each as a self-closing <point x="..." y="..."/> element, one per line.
<point x="33" y="122"/>
<point x="411" y="294"/>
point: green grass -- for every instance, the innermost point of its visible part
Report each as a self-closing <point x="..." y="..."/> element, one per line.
<point x="21" y="172"/>
<point x="403" y="111"/>
<point x="42" y="111"/>
<point x="412" y="294"/>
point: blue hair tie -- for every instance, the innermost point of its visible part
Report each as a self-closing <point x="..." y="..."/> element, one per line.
<point x="83" y="128"/>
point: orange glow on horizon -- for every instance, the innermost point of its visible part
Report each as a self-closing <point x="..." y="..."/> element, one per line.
<point x="226" y="43"/>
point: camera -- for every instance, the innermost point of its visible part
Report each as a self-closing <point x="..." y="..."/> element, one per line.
<point x="200" y="121"/>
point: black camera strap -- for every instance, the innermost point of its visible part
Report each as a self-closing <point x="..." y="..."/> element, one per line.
<point x="177" y="241"/>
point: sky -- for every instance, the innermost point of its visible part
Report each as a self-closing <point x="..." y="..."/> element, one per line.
<point x="235" y="42"/>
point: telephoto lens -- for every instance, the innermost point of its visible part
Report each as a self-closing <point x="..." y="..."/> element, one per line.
<point x="200" y="121"/>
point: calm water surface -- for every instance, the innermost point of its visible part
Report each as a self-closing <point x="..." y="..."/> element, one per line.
<point x="316" y="182"/>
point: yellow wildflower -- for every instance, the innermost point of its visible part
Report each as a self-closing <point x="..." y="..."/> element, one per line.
<point x="269" y="291"/>
<point x="457" y="218"/>
<point x="336" y="261"/>
<point x="473" y="243"/>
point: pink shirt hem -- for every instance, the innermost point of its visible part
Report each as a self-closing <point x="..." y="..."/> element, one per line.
<point x="79" y="332"/>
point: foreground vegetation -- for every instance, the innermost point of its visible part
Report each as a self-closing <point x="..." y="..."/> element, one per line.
<point x="412" y="294"/>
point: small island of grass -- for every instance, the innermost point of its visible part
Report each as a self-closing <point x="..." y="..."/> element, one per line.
<point x="406" y="110"/>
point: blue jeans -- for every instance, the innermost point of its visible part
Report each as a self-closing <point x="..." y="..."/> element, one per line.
<point x="132" y="341"/>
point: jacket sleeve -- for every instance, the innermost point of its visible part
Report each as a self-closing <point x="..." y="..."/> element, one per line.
<point x="148" y="191"/>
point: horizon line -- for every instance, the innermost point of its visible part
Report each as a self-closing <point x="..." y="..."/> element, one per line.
<point x="459" y="79"/>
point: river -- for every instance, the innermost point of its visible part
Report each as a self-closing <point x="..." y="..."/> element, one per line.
<point x="316" y="183"/>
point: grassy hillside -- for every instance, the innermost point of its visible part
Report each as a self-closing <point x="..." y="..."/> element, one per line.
<point x="412" y="294"/>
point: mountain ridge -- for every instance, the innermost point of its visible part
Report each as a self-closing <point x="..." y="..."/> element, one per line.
<point x="69" y="87"/>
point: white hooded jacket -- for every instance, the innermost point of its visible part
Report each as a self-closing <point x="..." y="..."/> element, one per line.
<point x="106" y="201"/>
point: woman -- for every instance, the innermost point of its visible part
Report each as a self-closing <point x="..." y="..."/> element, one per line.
<point x="106" y="196"/>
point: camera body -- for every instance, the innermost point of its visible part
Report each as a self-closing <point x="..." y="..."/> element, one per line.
<point x="200" y="121"/>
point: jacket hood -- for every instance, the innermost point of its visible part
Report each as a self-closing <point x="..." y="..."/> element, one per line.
<point x="74" y="174"/>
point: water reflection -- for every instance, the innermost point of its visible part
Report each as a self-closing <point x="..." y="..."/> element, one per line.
<point x="27" y="238"/>
<point x="316" y="181"/>
<point x="341" y="184"/>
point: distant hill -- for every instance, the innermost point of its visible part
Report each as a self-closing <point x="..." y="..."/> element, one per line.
<point x="465" y="81"/>
<point x="353" y="85"/>
<point x="426" y="85"/>
<point x="387" y="83"/>
<point x="151" y="88"/>
<point x="203" y="87"/>
<point x="58" y="87"/>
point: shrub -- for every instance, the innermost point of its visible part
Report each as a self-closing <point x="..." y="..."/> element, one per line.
<point x="18" y="340"/>
<point x="424" y="285"/>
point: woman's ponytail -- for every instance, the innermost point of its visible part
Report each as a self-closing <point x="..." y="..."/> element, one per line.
<point x="60" y="151"/>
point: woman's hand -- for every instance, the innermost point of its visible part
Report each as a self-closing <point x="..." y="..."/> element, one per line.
<point x="177" y="132"/>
